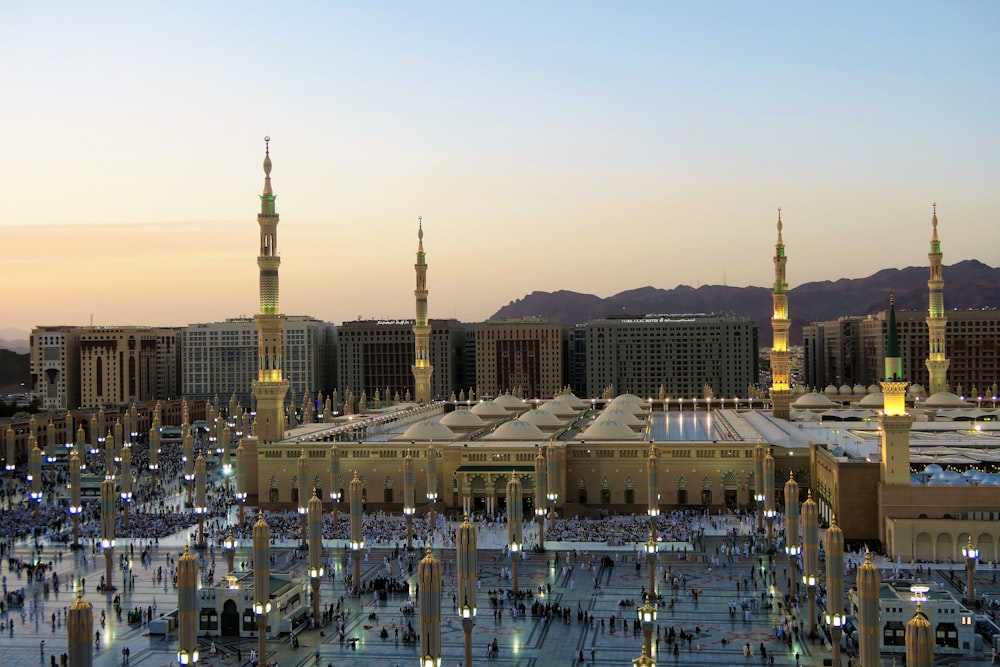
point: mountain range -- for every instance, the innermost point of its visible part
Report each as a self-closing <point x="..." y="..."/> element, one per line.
<point x="969" y="284"/>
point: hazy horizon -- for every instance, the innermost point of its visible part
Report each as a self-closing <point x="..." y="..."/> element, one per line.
<point x="577" y="146"/>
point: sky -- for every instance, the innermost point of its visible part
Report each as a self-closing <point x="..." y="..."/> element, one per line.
<point x="586" y="146"/>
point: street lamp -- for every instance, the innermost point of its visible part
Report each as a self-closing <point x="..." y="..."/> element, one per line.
<point x="836" y="623"/>
<point x="229" y="547"/>
<point x="465" y="554"/>
<point x="644" y="660"/>
<point x="409" y="499"/>
<point x="971" y="556"/>
<point x="514" y="527"/>
<point x="647" y="616"/>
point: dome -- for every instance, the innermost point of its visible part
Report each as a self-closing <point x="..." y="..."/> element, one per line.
<point x="830" y="390"/>
<point x="515" y="429"/>
<point x="509" y="402"/>
<point x="540" y="417"/>
<point x="859" y="389"/>
<point x="624" y="404"/>
<point x="945" y="399"/>
<point x="916" y="391"/>
<point x="557" y="407"/>
<point x="813" y="401"/>
<point x="874" y="400"/>
<point x="873" y="388"/>
<point x="462" y="419"/>
<point x="619" y="415"/>
<point x="489" y="410"/>
<point x="572" y="401"/>
<point x="845" y="390"/>
<point x="428" y="430"/>
<point x="608" y="429"/>
<point x="932" y="469"/>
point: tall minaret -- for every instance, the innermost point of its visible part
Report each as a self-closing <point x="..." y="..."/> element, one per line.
<point x="422" y="369"/>
<point x="937" y="363"/>
<point x="894" y="421"/>
<point x="270" y="387"/>
<point x="780" y="364"/>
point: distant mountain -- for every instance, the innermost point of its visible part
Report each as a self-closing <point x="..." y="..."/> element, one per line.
<point x="19" y="346"/>
<point x="968" y="284"/>
<point x="15" y="372"/>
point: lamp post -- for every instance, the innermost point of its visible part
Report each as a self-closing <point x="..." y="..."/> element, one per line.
<point x="835" y="585"/>
<point x="335" y="487"/>
<point x="769" y="512"/>
<point x="75" y="501"/>
<point x="971" y="554"/>
<point x="241" y="480"/>
<point x="792" y="547"/>
<point x="432" y="494"/>
<point x="647" y="616"/>
<point x="108" y="529"/>
<point x="357" y="539"/>
<point x="653" y="510"/>
<point x="187" y="613"/>
<point x="261" y="583"/>
<point x="229" y="547"/>
<point x="514" y="524"/>
<point x="154" y="447"/>
<point x="303" y="499"/>
<point x="465" y="552"/>
<point x="409" y="500"/>
<point x="429" y="580"/>
<point x="316" y="552"/>
<point x="201" y="496"/>
<point x="188" y="456"/>
<point x="125" y="484"/>
<point x="34" y="479"/>
<point x="552" y="481"/>
<point x="10" y="453"/>
<point x="810" y="555"/>
<point x="644" y="660"/>
<point x="758" y="483"/>
<point x="80" y="629"/>
<point x="541" y="482"/>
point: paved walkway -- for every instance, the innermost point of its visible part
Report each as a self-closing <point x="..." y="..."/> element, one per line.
<point x="718" y="638"/>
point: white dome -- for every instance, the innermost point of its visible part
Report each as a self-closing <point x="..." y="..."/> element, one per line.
<point x="945" y="399"/>
<point x="619" y="415"/>
<point x="558" y="407"/>
<point x="625" y="404"/>
<point x="845" y="390"/>
<point x="860" y="389"/>
<point x="916" y="391"/>
<point x="830" y="389"/>
<point x="489" y="409"/>
<point x="875" y="400"/>
<point x="541" y="417"/>
<point x="874" y="389"/>
<point x="509" y="402"/>
<point x="813" y="401"/>
<point x="572" y="401"/>
<point x="608" y="430"/>
<point x="516" y="429"/>
<point x="428" y="430"/>
<point x="462" y="419"/>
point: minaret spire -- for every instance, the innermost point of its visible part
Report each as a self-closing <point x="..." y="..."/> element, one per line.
<point x="270" y="387"/>
<point x="780" y="324"/>
<point x="422" y="369"/>
<point x="894" y="421"/>
<point x="937" y="363"/>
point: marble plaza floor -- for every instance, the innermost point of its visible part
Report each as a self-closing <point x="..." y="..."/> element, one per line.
<point x="523" y="642"/>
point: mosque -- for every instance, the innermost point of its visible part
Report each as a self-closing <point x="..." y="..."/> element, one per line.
<point x="592" y="456"/>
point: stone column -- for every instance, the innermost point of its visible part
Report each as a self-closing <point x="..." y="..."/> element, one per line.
<point x="201" y="496"/>
<point x="465" y="552"/>
<point x="919" y="640"/>
<point x="316" y="552"/>
<point x="540" y="488"/>
<point x="80" y="628"/>
<point x="769" y="511"/>
<point x="108" y="529"/>
<point x="261" y="583"/>
<point x="515" y="538"/>
<point x="835" y="585"/>
<point x="792" y="530"/>
<point x="409" y="497"/>
<point x="868" y="582"/>
<point x="810" y="555"/>
<point x="357" y="536"/>
<point x="187" y="608"/>
<point x="429" y="580"/>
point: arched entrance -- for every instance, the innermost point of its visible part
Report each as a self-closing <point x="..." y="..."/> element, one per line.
<point x="230" y="620"/>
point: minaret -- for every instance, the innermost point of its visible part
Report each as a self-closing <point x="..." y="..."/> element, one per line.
<point x="780" y="364"/>
<point x="894" y="421"/>
<point x="869" y="624"/>
<point x="270" y="387"/>
<point x="422" y="369"/>
<point x="937" y="363"/>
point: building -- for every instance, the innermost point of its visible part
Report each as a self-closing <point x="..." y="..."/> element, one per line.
<point x="93" y="366"/>
<point x="680" y="353"/>
<point x="525" y="356"/>
<point x="831" y="355"/>
<point x="220" y="358"/>
<point x="379" y="355"/>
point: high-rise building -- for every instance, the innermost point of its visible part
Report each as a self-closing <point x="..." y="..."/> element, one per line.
<point x="683" y="354"/>
<point x="271" y="386"/>
<point x="220" y="358"/>
<point x="93" y="366"/>
<point x="379" y="355"/>
<point x="831" y="353"/>
<point x="524" y="356"/>
<point x="422" y="367"/>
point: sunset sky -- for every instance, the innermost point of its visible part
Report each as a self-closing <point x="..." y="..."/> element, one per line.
<point x="590" y="146"/>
